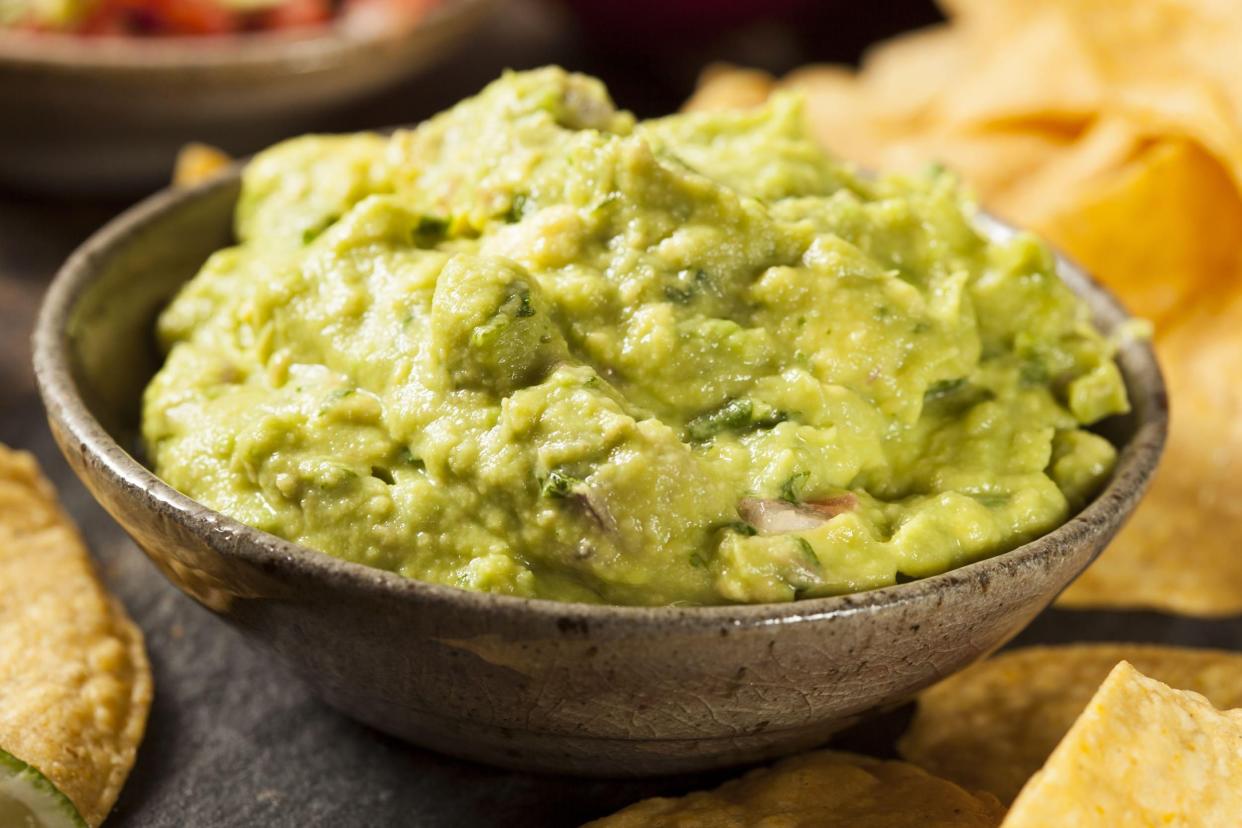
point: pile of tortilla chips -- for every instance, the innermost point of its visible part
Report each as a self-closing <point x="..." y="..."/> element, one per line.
<point x="824" y="789"/>
<point x="1113" y="128"/>
<point x="1074" y="735"/>
<point x="75" y="683"/>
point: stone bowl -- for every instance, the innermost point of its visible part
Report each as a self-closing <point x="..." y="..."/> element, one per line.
<point x="107" y="115"/>
<point x="532" y="684"/>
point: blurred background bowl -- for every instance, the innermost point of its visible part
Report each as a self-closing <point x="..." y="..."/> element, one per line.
<point x="108" y="114"/>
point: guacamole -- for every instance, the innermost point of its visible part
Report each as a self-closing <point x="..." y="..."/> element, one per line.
<point x="536" y="347"/>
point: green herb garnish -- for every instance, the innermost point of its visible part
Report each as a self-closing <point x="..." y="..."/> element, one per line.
<point x="430" y="230"/>
<point x="807" y="550"/>
<point x="687" y="287"/>
<point x="315" y="231"/>
<point x="1033" y="373"/>
<point x="944" y="387"/>
<point x="791" y="489"/>
<point x="517" y="208"/>
<point x="558" y="484"/>
<point x="733" y="414"/>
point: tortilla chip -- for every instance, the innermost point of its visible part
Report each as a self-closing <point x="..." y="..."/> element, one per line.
<point x="1141" y="753"/>
<point x="820" y="790"/>
<point x="904" y="78"/>
<point x="198" y="162"/>
<point x="1045" y="72"/>
<point x="992" y="726"/>
<point x="1160" y="231"/>
<point x="833" y="101"/>
<point x="726" y="87"/>
<point x="1182" y="550"/>
<point x="75" y="685"/>
<point x="1059" y="186"/>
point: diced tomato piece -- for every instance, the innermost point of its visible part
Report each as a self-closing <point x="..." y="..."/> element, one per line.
<point x="294" y="14"/>
<point x="196" y="17"/>
<point x="160" y="17"/>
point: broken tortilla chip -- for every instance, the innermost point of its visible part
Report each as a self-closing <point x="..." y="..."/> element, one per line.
<point x="197" y="163"/>
<point x="992" y="726"/>
<point x="1141" y="753"/>
<point x="823" y="789"/>
<point x="75" y="684"/>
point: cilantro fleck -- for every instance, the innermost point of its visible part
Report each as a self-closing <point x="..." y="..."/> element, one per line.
<point x="993" y="500"/>
<point x="808" y="551"/>
<point x="558" y="484"/>
<point x="944" y="387"/>
<point x="430" y="230"/>
<point x="316" y="230"/>
<point x="517" y="208"/>
<point x="733" y="414"/>
<point x="407" y="456"/>
<point x="1033" y="372"/>
<point x="678" y="295"/>
<point x="525" y="308"/>
<point x="791" y="489"/>
<point x="687" y="287"/>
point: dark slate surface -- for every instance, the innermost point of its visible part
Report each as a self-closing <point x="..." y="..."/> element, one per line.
<point x="233" y="740"/>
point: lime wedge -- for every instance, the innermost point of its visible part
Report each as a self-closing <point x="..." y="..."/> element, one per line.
<point x="29" y="800"/>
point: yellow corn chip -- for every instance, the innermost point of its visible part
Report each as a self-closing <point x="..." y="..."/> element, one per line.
<point x="198" y="162"/>
<point x="75" y="685"/>
<point x="1160" y="231"/>
<point x="1141" y="754"/>
<point x="725" y="87"/>
<point x="823" y="789"/>
<point x="1067" y="177"/>
<point x="903" y="79"/>
<point x="992" y="726"/>
<point x="1043" y="72"/>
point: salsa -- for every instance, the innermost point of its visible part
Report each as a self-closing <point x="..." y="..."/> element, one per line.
<point x="164" y="18"/>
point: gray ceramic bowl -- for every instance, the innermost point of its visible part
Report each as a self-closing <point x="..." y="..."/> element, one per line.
<point x="524" y="683"/>
<point x="109" y="114"/>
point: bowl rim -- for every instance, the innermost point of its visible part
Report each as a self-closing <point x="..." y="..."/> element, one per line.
<point x="303" y="50"/>
<point x="278" y="557"/>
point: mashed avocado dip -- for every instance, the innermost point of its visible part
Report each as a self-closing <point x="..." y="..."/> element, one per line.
<point x="535" y="347"/>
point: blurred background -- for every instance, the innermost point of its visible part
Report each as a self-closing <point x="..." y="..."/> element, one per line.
<point x="99" y="94"/>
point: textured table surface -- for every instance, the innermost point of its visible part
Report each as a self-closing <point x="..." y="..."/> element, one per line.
<point x="233" y="740"/>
